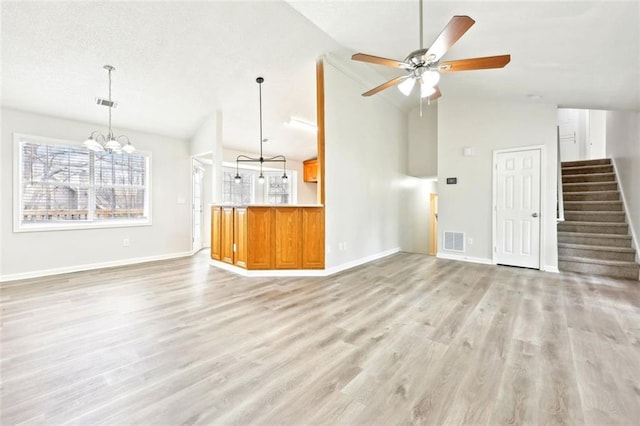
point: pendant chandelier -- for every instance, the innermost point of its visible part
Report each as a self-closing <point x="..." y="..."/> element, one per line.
<point x="109" y="143"/>
<point x="261" y="159"/>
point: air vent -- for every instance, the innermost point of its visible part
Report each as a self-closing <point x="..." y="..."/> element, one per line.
<point x="454" y="241"/>
<point x="107" y="103"/>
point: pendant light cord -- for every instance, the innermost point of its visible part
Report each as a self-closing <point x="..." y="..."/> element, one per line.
<point x="260" y="80"/>
<point x="421" y="37"/>
<point x="110" y="106"/>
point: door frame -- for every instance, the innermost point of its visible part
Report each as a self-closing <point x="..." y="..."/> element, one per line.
<point x="543" y="206"/>
<point x="196" y="163"/>
<point x="433" y="224"/>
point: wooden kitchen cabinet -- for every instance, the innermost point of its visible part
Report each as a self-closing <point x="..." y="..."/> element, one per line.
<point x="287" y="244"/>
<point x="310" y="169"/>
<point x="261" y="237"/>
<point x="260" y="230"/>
<point x="226" y="235"/>
<point x="312" y="238"/>
<point x="240" y="237"/>
<point x="215" y="232"/>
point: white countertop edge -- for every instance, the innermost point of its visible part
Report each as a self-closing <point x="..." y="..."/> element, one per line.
<point x="265" y="205"/>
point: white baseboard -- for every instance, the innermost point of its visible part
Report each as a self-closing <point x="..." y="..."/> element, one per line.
<point x="546" y="268"/>
<point x="464" y="258"/>
<point x="634" y="237"/>
<point x="361" y="261"/>
<point x="302" y="272"/>
<point x="91" y="266"/>
<point x="268" y="272"/>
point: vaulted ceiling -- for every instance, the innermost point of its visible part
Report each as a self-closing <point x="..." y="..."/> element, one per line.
<point x="179" y="62"/>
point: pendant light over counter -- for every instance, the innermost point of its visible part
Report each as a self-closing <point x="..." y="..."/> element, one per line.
<point x="261" y="159"/>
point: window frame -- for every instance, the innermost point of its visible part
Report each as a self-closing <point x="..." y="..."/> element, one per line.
<point x="18" y="202"/>
<point x="260" y="191"/>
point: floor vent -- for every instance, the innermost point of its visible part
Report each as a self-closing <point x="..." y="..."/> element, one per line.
<point x="454" y="241"/>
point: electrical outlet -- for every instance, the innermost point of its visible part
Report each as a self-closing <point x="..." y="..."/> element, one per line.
<point x="125" y="242"/>
<point x="470" y="241"/>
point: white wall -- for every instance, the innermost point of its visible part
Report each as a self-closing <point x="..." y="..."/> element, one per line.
<point x="487" y="125"/>
<point x="306" y="191"/>
<point x="422" y="158"/>
<point x="365" y="160"/>
<point x="623" y="147"/>
<point x="35" y="253"/>
<point x="204" y="141"/>
<point x="207" y="141"/>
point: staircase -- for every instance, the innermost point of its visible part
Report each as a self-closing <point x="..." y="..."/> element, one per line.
<point x="594" y="238"/>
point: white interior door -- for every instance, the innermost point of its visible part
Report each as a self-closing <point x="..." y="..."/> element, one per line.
<point x="517" y="207"/>
<point x="568" y="129"/>
<point x="196" y="232"/>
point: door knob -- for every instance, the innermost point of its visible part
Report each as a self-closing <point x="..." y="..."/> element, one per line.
<point x="534" y="215"/>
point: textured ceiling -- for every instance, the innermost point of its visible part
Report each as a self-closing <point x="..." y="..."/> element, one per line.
<point x="581" y="54"/>
<point x="178" y="62"/>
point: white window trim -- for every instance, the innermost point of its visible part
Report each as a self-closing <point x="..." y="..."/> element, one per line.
<point x="18" y="205"/>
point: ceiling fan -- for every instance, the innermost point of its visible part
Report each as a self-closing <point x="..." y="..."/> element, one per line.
<point x="424" y="65"/>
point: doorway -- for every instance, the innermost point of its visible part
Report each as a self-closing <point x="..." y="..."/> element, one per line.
<point x="517" y="215"/>
<point x="433" y="224"/>
<point x="197" y="177"/>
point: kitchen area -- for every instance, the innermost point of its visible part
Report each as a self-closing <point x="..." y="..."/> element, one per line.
<point x="269" y="236"/>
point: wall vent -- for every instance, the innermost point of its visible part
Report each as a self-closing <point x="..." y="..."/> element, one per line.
<point x="454" y="241"/>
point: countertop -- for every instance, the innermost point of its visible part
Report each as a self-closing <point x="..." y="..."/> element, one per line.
<point x="265" y="205"/>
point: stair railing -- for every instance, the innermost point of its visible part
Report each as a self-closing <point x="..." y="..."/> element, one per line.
<point x="560" y="196"/>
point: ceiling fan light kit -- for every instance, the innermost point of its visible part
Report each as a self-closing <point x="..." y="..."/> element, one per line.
<point x="407" y="86"/>
<point x="110" y="143"/>
<point x="426" y="90"/>
<point x="261" y="159"/>
<point x="425" y="66"/>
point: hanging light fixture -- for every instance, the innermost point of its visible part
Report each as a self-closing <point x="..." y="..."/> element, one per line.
<point x="261" y="159"/>
<point x="407" y="86"/>
<point x="110" y="143"/>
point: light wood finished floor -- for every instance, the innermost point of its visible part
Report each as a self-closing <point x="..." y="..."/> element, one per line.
<point x="407" y="339"/>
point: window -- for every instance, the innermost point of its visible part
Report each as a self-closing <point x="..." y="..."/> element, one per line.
<point x="250" y="191"/>
<point x="61" y="185"/>
<point x="238" y="193"/>
<point x="278" y="190"/>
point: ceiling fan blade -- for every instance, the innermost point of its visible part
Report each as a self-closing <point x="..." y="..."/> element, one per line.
<point x="386" y="85"/>
<point x="457" y="26"/>
<point x="475" y="63"/>
<point x="363" y="57"/>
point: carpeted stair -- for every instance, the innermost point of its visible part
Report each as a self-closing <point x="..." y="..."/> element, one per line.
<point x="594" y="238"/>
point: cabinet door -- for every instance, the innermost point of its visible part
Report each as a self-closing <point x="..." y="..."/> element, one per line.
<point x="215" y="233"/>
<point x="311" y="171"/>
<point x="287" y="238"/>
<point x="312" y="238"/>
<point x="260" y="238"/>
<point x="240" y="236"/>
<point x="226" y="235"/>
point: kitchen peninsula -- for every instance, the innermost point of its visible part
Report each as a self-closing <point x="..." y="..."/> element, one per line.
<point x="268" y="237"/>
